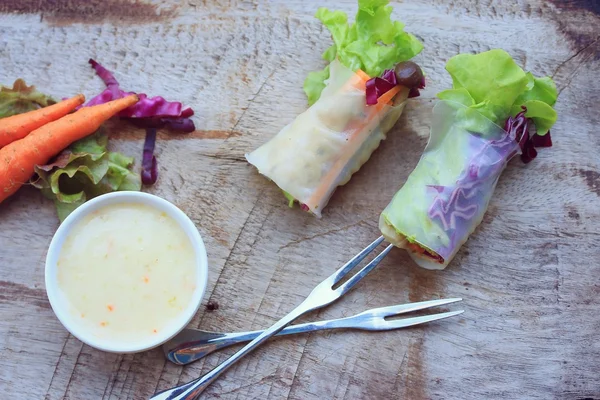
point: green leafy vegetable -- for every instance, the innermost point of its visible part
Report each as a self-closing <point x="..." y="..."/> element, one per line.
<point x="83" y="171"/>
<point x="543" y="89"/>
<point x="21" y="99"/>
<point x="315" y="83"/>
<point x="494" y="85"/>
<point x="542" y="114"/>
<point x="290" y="198"/>
<point x="373" y="43"/>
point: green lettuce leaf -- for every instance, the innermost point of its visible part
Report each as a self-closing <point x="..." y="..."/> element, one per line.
<point x="460" y="95"/>
<point x="315" y="83"/>
<point x="542" y="114"/>
<point x="539" y="100"/>
<point x="543" y="89"/>
<point x="373" y="43"/>
<point x="290" y="198"/>
<point x="492" y="84"/>
<point x="492" y="79"/>
<point x="21" y="99"/>
<point x="83" y="171"/>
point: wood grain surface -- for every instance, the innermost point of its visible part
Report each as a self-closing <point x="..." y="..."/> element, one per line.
<point x="529" y="276"/>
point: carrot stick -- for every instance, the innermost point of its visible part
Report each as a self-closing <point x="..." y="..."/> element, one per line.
<point x="387" y="97"/>
<point x="18" y="126"/>
<point x="362" y="74"/>
<point x="18" y="159"/>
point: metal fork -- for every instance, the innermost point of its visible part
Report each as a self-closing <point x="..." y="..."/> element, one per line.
<point x="193" y="344"/>
<point x="322" y="295"/>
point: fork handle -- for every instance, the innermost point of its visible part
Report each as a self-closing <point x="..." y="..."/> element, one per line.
<point x="193" y="389"/>
<point x="193" y="344"/>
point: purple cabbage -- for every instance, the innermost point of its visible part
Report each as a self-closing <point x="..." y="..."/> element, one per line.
<point x="454" y="207"/>
<point x="416" y="91"/>
<point x="171" y="114"/>
<point x="149" y="112"/>
<point x="375" y="87"/>
<point x="149" y="167"/>
<point x="542" y="140"/>
<point x="177" y="124"/>
<point x="524" y="132"/>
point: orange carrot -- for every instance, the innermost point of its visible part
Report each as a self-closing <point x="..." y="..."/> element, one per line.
<point x="18" y="126"/>
<point x="362" y="74"/>
<point x="18" y="159"/>
<point x="358" y="81"/>
<point x="387" y="97"/>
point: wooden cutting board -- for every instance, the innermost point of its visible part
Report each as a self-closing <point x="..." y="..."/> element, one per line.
<point x="529" y="276"/>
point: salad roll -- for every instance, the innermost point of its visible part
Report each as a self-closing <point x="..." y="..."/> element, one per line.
<point x="353" y="102"/>
<point x="494" y="112"/>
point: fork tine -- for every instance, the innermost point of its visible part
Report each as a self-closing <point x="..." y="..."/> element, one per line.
<point x="405" y="322"/>
<point x="410" y="307"/>
<point x="364" y="271"/>
<point x="340" y="273"/>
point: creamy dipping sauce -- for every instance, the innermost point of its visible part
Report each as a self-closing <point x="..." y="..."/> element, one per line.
<point x="126" y="271"/>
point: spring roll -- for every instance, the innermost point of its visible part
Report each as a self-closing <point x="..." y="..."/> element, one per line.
<point x="350" y="112"/>
<point x="321" y="149"/>
<point x="494" y="112"/>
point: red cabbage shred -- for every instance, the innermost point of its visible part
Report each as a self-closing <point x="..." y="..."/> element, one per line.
<point x="375" y="87"/>
<point x="171" y="114"/>
<point x="149" y="167"/>
<point x="523" y="130"/>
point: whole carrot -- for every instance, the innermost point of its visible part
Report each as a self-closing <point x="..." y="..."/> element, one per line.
<point x="18" y="159"/>
<point x="18" y="126"/>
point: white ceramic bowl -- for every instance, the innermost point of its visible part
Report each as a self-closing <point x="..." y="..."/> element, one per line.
<point x="59" y="303"/>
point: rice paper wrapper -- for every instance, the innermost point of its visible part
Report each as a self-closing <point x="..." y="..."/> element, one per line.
<point x="445" y="197"/>
<point x="321" y="149"/>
